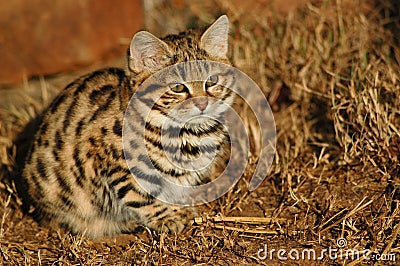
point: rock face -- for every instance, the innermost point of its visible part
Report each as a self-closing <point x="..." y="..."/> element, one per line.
<point x="49" y="36"/>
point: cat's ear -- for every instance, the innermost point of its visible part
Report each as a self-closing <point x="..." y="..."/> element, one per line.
<point x="148" y="53"/>
<point x="215" y="39"/>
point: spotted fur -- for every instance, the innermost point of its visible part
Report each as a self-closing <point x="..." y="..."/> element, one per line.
<point x="77" y="172"/>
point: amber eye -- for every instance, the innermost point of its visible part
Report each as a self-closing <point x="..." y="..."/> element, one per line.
<point x="211" y="81"/>
<point x="178" y="88"/>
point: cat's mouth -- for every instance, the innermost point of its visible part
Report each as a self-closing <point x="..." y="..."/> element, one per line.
<point x="194" y="117"/>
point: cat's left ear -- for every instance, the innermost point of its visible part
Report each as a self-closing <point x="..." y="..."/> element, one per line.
<point x="215" y="39"/>
<point x="148" y="53"/>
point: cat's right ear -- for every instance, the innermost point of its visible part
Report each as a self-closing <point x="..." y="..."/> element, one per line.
<point x="147" y="53"/>
<point x="215" y="39"/>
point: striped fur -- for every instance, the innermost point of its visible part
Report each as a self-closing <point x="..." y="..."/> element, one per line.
<point x="77" y="171"/>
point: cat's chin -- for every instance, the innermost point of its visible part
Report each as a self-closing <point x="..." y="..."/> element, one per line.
<point x="191" y="122"/>
<point x="201" y="119"/>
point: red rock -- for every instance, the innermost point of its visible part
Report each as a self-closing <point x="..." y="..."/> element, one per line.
<point x="49" y="36"/>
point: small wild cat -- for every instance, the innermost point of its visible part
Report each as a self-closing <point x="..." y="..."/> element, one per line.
<point x="76" y="171"/>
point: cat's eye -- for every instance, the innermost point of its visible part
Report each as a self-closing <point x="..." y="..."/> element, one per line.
<point x="178" y="88"/>
<point x="211" y="81"/>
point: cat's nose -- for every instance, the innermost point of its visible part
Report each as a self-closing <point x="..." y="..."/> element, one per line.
<point x="201" y="103"/>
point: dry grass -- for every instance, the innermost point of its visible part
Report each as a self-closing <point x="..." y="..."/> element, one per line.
<point x="331" y="73"/>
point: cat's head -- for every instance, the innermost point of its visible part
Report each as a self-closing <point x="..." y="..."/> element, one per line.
<point x="186" y="100"/>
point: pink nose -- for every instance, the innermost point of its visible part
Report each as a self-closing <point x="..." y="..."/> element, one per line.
<point x="201" y="103"/>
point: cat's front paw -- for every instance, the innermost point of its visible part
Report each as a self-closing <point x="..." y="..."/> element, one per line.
<point x="173" y="223"/>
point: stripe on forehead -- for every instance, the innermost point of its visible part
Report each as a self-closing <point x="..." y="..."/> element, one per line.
<point x="188" y="72"/>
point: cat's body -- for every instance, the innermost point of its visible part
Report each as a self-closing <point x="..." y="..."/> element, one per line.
<point x="77" y="172"/>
